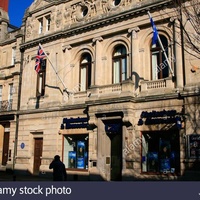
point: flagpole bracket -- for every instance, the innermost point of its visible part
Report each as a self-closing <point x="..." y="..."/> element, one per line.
<point x="65" y="90"/>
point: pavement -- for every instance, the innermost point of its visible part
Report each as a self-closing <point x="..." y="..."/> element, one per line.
<point x="8" y="176"/>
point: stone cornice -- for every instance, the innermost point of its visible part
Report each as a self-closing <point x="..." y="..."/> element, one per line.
<point x="80" y="28"/>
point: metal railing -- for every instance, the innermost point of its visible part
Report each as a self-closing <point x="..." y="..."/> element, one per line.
<point x="6" y="105"/>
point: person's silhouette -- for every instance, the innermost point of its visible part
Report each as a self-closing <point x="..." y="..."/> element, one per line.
<point x="59" y="171"/>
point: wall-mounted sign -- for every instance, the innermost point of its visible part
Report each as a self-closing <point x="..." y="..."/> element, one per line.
<point x="7" y="130"/>
<point x="69" y="123"/>
<point x="160" y="117"/>
<point x="194" y="146"/>
<point x="22" y="145"/>
<point x="112" y="128"/>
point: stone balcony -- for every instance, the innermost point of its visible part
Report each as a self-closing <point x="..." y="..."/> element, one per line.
<point x="156" y="86"/>
<point x="107" y="92"/>
<point x="124" y="89"/>
<point x="102" y="92"/>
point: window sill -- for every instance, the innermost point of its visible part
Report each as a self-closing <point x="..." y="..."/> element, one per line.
<point x="160" y="173"/>
<point x="77" y="170"/>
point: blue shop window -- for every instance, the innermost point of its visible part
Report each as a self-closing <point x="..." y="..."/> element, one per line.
<point x="76" y="151"/>
<point x="160" y="152"/>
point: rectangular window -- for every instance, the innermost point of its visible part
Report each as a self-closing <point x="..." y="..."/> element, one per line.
<point x="40" y="25"/>
<point x="41" y="80"/>
<point x="76" y="151"/>
<point x="48" y="23"/>
<point x="13" y="55"/>
<point x="160" y="152"/>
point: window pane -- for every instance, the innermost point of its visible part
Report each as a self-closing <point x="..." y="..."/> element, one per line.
<point x="76" y="151"/>
<point x="40" y="83"/>
<point x="119" y="64"/>
<point x="10" y="92"/>
<point x="13" y="55"/>
<point x="0" y="92"/>
<point x="86" y="75"/>
<point x="155" y="69"/>
<point x="117" y="52"/>
<point x="83" y="78"/>
<point x="40" y="25"/>
<point x="124" y="69"/>
<point x="160" y="152"/>
<point x="68" y="152"/>
<point x="116" y="71"/>
<point x="160" y="68"/>
<point x="48" y="22"/>
<point x="85" y="59"/>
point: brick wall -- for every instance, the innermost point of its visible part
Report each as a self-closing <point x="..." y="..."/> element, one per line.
<point x="4" y="4"/>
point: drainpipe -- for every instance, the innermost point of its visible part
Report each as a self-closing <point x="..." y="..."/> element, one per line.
<point x="174" y="50"/>
<point x="18" y="106"/>
<point x="182" y="45"/>
<point x="184" y="78"/>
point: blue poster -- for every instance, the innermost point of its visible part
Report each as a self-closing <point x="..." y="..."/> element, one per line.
<point x="80" y="154"/>
<point x="72" y="159"/>
<point x="80" y="163"/>
<point x="86" y="160"/>
<point x="153" y="161"/>
<point x="165" y="165"/>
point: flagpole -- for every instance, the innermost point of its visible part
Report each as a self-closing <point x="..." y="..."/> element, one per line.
<point x="65" y="88"/>
<point x="161" y="45"/>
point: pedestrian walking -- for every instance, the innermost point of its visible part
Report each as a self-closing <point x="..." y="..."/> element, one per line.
<point x="59" y="171"/>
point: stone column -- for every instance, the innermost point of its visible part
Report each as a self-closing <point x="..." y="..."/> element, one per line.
<point x="97" y="68"/>
<point x="178" y="56"/>
<point x="134" y="61"/>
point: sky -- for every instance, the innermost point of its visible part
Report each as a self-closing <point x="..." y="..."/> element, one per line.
<point x="16" y="11"/>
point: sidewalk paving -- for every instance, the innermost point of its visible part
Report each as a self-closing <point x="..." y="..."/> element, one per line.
<point x="6" y="176"/>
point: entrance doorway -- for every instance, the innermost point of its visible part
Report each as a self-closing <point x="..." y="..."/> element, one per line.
<point x="37" y="155"/>
<point x="5" y="148"/>
<point x="114" y="132"/>
<point x="116" y="157"/>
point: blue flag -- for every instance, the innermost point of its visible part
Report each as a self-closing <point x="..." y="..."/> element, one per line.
<point x="155" y="32"/>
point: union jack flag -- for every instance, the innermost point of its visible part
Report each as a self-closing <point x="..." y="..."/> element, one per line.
<point x="39" y="58"/>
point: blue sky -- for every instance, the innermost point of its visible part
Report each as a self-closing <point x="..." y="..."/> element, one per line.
<point x="16" y="11"/>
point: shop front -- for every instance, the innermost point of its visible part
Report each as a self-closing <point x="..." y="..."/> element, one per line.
<point x="161" y="152"/>
<point x="160" y="149"/>
<point x="5" y="147"/>
<point x="95" y="153"/>
<point x="75" y="143"/>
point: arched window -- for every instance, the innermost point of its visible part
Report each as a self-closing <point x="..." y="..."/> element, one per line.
<point x="85" y="72"/>
<point x="119" y="64"/>
<point x="160" y="67"/>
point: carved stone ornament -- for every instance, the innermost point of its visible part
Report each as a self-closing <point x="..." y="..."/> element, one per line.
<point x="82" y="11"/>
<point x="29" y="30"/>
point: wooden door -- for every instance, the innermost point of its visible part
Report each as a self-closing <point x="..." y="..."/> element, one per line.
<point x="5" y="148"/>
<point x="37" y="155"/>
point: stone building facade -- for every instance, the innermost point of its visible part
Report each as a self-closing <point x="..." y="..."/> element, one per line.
<point x="106" y="99"/>
<point x="10" y="62"/>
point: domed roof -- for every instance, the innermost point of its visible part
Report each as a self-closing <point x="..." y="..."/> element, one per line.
<point x="3" y="15"/>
